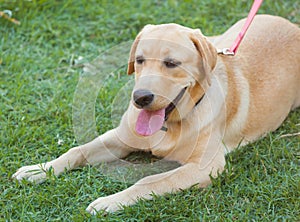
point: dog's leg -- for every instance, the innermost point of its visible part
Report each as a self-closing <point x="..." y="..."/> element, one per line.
<point x="180" y="178"/>
<point x="105" y="148"/>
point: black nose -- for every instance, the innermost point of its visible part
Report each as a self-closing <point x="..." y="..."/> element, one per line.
<point x="143" y="97"/>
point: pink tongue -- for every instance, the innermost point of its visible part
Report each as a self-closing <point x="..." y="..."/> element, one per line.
<point x="149" y="122"/>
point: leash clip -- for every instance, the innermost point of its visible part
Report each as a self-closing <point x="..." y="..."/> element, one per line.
<point x="225" y="51"/>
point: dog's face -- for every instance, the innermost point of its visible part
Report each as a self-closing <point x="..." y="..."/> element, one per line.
<point x="172" y="66"/>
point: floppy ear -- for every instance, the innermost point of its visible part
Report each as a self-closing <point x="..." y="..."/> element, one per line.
<point x="207" y="51"/>
<point x="130" y="67"/>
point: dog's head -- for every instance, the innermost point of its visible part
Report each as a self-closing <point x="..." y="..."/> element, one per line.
<point x="172" y="66"/>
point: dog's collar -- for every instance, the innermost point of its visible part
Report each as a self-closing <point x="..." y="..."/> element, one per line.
<point x="164" y="128"/>
<point x="199" y="100"/>
<point x="173" y="104"/>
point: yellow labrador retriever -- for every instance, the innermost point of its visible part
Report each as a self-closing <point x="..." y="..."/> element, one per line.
<point x="192" y="105"/>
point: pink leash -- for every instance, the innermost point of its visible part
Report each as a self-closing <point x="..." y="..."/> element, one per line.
<point x="239" y="38"/>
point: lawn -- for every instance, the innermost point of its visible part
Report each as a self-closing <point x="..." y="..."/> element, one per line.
<point x="41" y="65"/>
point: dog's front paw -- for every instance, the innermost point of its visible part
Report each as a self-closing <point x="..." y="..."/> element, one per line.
<point x="104" y="203"/>
<point x="110" y="203"/>
<point x="34" y="173"/>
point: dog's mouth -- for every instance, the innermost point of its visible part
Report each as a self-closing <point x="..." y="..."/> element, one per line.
<point x="149" y="122"/>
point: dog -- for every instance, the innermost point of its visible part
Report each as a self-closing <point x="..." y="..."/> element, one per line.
<point x="193" y="105"/>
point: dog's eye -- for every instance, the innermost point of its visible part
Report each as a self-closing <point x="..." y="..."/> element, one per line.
<point x="170" y="63"/>
<point x="140" y="60"/>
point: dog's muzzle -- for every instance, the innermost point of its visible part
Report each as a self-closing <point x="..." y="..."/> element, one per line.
<point x="143" y="98"/>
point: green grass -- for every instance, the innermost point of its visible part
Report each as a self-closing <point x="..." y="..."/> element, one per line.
<point x="38" y="80"/>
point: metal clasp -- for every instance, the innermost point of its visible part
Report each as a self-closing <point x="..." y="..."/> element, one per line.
<point x="225" y="51"/>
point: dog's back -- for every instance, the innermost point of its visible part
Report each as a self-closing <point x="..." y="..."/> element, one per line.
<point x="270" y="54"/>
